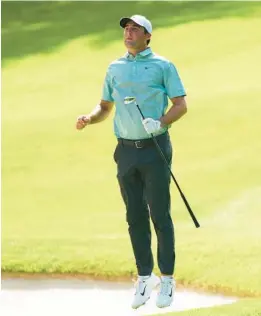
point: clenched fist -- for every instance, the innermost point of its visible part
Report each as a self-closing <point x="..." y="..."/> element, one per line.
<point x="82" y="121"/>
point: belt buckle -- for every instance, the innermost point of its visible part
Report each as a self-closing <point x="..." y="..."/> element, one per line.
<point x="137" y="144"/>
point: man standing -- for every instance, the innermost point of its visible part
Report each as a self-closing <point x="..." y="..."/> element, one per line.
<point x="143" y="177"/>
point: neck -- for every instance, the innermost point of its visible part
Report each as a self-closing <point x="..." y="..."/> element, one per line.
<point x="135" y="51"/>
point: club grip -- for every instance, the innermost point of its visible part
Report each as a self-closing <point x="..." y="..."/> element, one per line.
<point x="189" y="210"/>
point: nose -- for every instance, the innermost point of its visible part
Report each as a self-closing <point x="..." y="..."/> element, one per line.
<point x="127" y="33"/>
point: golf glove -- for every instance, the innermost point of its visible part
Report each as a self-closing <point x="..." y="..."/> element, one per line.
<point x="151" y="126"/>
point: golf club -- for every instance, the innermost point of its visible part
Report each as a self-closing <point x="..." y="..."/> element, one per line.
<point x="129" y="100"/>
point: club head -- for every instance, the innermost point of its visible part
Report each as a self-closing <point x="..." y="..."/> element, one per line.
<point x="128" y="100"/>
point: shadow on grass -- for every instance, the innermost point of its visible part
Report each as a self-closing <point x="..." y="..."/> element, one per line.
<point x="40" y="27"/>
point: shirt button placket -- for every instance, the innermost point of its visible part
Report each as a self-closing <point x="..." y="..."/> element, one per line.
<point x="135" y="68"/>
<point x="134" y="75"/>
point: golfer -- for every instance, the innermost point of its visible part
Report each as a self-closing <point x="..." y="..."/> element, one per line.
<point x="143" y="177"/>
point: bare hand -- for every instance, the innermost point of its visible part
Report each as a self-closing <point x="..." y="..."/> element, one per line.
<point x="82" y="121"/>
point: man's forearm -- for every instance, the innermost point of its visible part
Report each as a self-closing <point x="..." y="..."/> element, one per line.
<point x="174" y="113"/>
<point x="99" y="114"/>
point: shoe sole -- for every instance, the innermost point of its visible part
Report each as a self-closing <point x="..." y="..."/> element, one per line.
<point x="164" y="305"/>
<point x="141" y="304"/>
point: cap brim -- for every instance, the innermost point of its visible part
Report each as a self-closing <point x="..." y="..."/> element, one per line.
<point x="124" y="21"/>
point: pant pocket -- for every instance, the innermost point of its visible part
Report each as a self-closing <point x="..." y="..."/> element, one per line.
<point x="116" y="153"/>
<point x="166" y="147"/>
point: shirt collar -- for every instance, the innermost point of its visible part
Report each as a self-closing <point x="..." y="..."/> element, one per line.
<point x="143" y="53"/>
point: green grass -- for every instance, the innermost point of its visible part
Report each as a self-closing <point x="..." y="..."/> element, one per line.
<point x="61" y="209"/>
<point x="245" y="307"/>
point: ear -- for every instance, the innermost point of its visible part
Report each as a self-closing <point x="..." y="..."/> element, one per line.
<point x="148" y="36"/>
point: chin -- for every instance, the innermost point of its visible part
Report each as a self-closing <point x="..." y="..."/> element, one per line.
<point x="130" y="44"/>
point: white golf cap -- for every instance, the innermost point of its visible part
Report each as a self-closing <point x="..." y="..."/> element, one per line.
<point x="138" y="19"/>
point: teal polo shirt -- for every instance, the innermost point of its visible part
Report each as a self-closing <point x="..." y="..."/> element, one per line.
<point x="151" y="79"/>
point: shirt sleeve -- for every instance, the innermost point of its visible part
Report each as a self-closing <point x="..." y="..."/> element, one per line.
<point x="107" y="87"/>
<point x="173" y="84"/>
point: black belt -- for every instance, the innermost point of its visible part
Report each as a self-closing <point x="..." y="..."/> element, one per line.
<point x="139" y="143"/>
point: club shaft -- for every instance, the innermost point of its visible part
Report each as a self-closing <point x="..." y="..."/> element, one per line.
<point x="172" y="175"/>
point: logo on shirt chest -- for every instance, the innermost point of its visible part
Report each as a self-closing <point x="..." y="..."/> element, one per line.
<point x="149" y="74"/>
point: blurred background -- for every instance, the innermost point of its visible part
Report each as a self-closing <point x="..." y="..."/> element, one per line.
<point x="61" y="207"/>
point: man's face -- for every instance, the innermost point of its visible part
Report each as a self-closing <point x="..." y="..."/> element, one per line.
<point x="134" y="36"/>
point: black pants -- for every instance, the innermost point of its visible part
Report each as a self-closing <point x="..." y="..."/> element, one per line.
<point x="144" y="182"/>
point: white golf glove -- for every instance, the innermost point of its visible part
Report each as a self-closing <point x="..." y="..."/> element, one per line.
<point x="151" y="126"/>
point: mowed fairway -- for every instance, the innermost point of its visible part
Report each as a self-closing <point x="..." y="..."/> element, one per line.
<point x="62" y="211"/>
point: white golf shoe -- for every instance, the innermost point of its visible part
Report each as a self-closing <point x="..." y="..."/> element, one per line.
<point x="166" y="292"/>
<point x="144" y="287"/>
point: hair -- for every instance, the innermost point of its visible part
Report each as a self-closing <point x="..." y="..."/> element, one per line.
<point x="146" y="32"/>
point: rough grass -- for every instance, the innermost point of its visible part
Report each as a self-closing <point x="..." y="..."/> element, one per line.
<point x="245" y="307"/>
